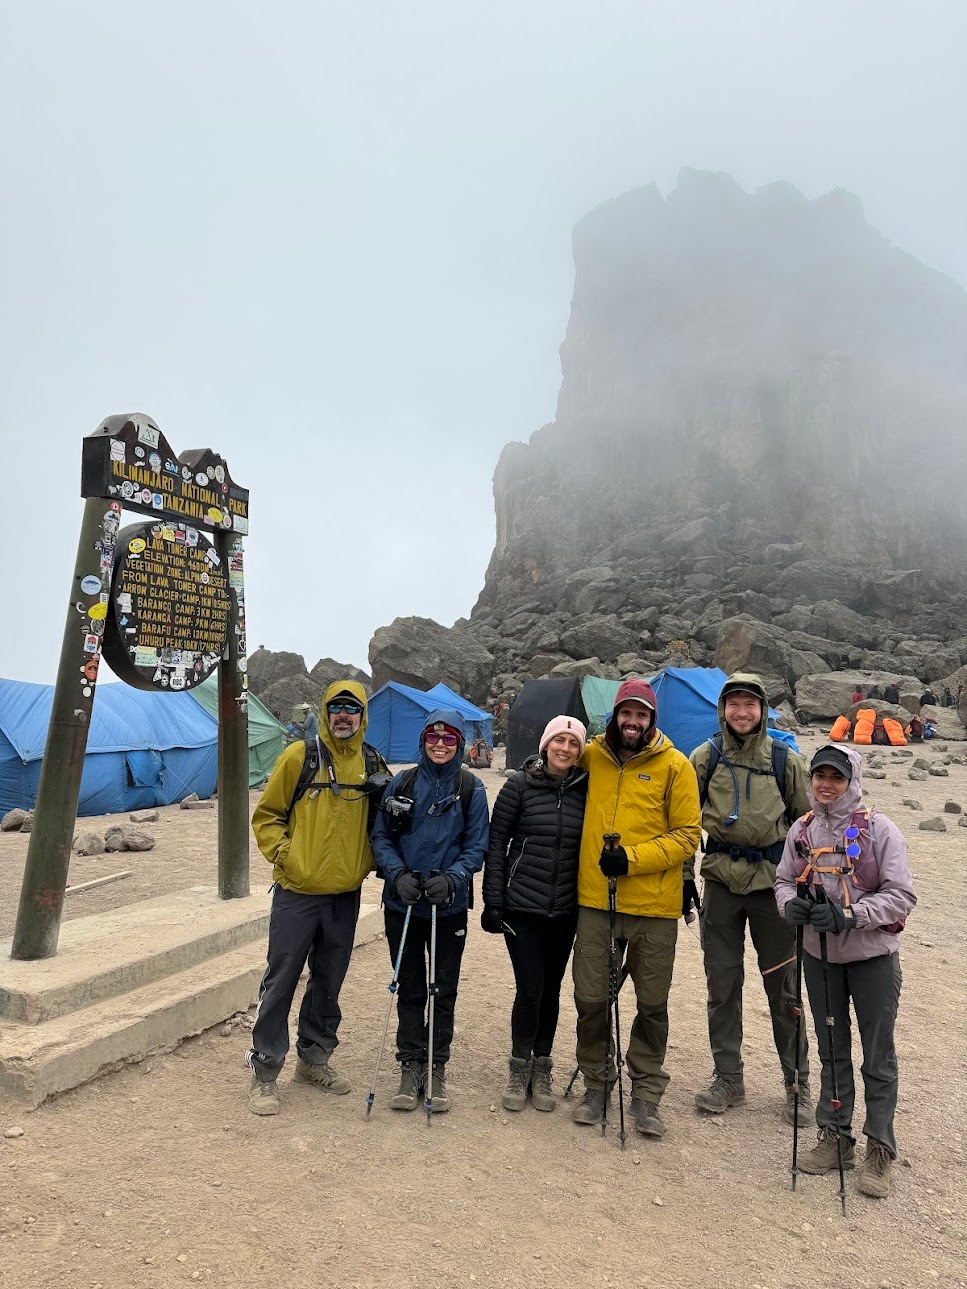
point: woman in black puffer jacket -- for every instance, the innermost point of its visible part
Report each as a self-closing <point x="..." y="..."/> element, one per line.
<point x="530" y="894"/>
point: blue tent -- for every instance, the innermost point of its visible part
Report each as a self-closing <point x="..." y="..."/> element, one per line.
<point x="143" y="749"/>
<point x="688" y="706"/>
<point x="397" y="717"/>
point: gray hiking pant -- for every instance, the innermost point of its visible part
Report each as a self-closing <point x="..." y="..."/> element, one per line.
<point x="650" y="947"/>
<point x="874" y="987"/>
<point x="723" y="922"/>
<point x="319" y="928"/>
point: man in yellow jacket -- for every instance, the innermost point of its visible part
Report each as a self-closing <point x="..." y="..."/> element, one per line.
<point x="642" y="788"/>
<point x="320" y="855"/>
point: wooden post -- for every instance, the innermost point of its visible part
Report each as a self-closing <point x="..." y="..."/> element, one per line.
<point x="233" y="814"/>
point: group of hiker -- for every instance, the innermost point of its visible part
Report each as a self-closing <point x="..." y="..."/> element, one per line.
<point x="891" y="694"/>
<point x="589" y="857"/>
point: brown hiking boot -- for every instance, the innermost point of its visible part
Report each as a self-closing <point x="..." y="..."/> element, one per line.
<point x="807" y="1111"/>
<point x="411" y="1086"/>
<point x="590" y="1108"/>
<point x="542" y="1094"/>
<point x="647" y="1119"/>
<point x="515" y="1098"/>
<point x="721" y="1094"/>
<point x="263" y="1097"/>
<point x="323" y="1077"/>
<point x="823" y="1157"/>
<point x="873" y="1177"/>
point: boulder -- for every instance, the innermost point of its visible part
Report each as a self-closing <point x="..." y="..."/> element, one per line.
<point x="936" y="824"/>
<point x="542" y="663"/>
<point x="288" y="692"/>
<point x="327" y="670"/>
<point x="744" y="644"/>
<point x="123" y="837"/>
<point x="601" y="637"/>
<point x="581" y="667"/>
<point x="939" y="771"/>
<point x="88" y="843"/>
<point x="422" y="653"/>
<point x="953" y="808"/>
<point x="946" y="721"/>
<point x="815" y="580"/>
<point x="12" y="820"/>
<point x="883" y="710"/>
<point x="829" y="694"/>
<point x="912" y="803"/>
<point x="918" y="776"/>
<point x="265" y="667"/>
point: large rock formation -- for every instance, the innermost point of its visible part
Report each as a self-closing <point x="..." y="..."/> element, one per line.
<point x="282" y="682"/>
<point x="422" y="653"/>
<point x="756" y="453"/>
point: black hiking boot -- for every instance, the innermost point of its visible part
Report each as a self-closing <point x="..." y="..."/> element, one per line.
<point x="515" y="1098"/>
<point x="590" y="1108"/>
<point x="411" y="1086"/>
<point x="647" y="1119"/>
<point x="542" y="1094"/>
<point x="721" y="1094"/>
<point x="439" y="1097"/>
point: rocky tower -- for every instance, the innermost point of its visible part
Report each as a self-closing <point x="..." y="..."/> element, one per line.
<point x="763" y="406"/>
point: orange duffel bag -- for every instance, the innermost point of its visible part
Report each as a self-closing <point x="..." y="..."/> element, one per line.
<point x="863" y="729"/>
<point x="894" y="732"/>
<point x="841" y="728"/>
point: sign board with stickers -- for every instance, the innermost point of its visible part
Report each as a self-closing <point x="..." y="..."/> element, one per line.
<point x="169" y="614"/>
<point x="164" y="602"/>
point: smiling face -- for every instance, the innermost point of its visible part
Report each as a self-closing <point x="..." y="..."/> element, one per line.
<point x="634" y="725"/>
<point x="828" y="784"/>
<point x="344" y="715"/>
<point x="561" y="753"/>
<point x="743" y="711"/>
<point x="441" y="744"/>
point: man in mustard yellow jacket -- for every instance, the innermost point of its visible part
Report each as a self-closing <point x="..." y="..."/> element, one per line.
<point x="320" y="855"/>
<point x="641" y="787"/>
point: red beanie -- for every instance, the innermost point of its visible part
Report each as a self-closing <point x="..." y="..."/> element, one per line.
<point x="640" y="691"/>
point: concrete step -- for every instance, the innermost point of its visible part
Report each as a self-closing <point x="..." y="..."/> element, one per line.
<point x="107" y="954"/>
<point x="37" y="1060"/>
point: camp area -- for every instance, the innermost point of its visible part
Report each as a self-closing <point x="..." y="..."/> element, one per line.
<point x="398" y="715"/>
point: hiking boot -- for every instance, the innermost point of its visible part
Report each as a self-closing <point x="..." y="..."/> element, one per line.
<point x="590" y="1108"/>
<point x="439" y="1097"/>
<point x="323" y="1077"/>
<point x="647" y="1119"/>
<point x="263" y="1097"/>
<point x="823" y="1157"/>
<point x="411" y="1086"/>
<point x="515" y="1098"/>
<point x="542" y="1094"/>
<point x="721" y="1094"/>
<point x="807" y="1111"/>
<point x="873" y="1177"/>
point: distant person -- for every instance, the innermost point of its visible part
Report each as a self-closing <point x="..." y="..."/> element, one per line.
<point x="866" y="906"/>
<point x="875" y="692"/>
<point x="430" y="838"/>
<point x="320" y="854"/>
<point x="891" y="694"/>
<point x="530" y="895"/>
<point x="947" y="697"/>
<point x="857" y="695"/>
<point x="928" y="698"/>
<point x="641" y="787"/>
<point x="751" y="790"/>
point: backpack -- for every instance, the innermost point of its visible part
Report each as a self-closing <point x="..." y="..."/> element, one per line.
<point x="310" y="767"/>
<point x="780" y="757"/>
<point x="467" y="783"/>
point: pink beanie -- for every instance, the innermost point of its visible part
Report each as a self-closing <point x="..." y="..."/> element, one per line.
<point x="564" y="725"/>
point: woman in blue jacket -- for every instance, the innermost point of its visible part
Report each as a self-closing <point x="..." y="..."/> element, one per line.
<point x="429" y="840"/>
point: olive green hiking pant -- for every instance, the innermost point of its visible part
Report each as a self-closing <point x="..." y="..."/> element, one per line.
<point x="647" y="946"/>
<point x="723" y="921"/>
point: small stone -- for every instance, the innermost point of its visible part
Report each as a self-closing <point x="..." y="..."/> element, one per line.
<point x="962" y="821"/>
<point x="921" y="763"/>
<point x="806" y="1226"/>
<point x="918" y="776"/>
<point x="936" y="824"/>
<point x="11" y="1133"/>
<point x="875" y="774"/>
<point x="953" y="808"/>
<point x="225" y="1031"/>
<point x="436" y="1244"/>
<point x="28" y="821"/>
<point x="912" y="803"/>
<point x="182" y="1257"/>
<point x="636" y="1160"/>
<point x="88" y="843"/>
<point x="939" y="771"/>
<point x="504" y="1122"/>
<point x="659" y="1201"/>
<point x="493" y="1109"/>
<point x="144" y="817"/>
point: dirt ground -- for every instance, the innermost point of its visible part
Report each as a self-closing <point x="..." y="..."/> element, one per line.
<point x="158" y="1175"/>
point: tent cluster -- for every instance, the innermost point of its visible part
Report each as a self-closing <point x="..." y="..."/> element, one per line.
<point x="398" y="713"/>
<point x="687" y="708"/>
<point x="144" y="749"/>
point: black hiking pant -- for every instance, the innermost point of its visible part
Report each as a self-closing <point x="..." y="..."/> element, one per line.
<point x="539" y="950"/>
<point x="319" y="928"/>
<point x="412" y="994"/>
<point x="874" y="987"/>
<point x="723" y="921"/>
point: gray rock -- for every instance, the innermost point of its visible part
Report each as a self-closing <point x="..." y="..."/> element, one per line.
<point x="422" y="653"/>
<point x="826" y="696"/>
<point x="327" y="670"/>
<point x="932" y="825"/>
<point x="543" y="663"/>
<point x="939" y="771"/>
<point x="265" y="667"/>
<point x="12" y="820"/>
<point x="27" y="823"/>
<point x="598" y="637"/>
<point x="123" y="837"/>
<point x="918" y="776"/>
<point x="197" y="805"/>
<point x="901" y="752"/>
<point x="921" y="763"/>
<point x="953" y="808"/>
<point x="947" y="723"/>
<point x="962" y="821"/>
<point x="581" y="667"/>
<point x="875" y="774"/>
<point x="912" y="803"/>
<point x="144" y="817"/>
<point x="88" y="843"/>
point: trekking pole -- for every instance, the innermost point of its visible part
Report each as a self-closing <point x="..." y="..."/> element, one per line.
<point x="392" y="987"/>
<point x="625" y="973"/>
<point x="431" y="1001"/>
<point x="614" y="984"/>
<point x="801" y="889"/>
<point x="610" y="840"/>
<point x="830" y="1036"/>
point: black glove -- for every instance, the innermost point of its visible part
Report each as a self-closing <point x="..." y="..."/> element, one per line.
<point x="829" y="919"/>
<point x="614" y="863"/>
<point x="492" y="920"/>
<point x="439" y="888"/>
<point x="408" y="887"/>
<point x="797" y="911"/>
<point x="690" y="898"/>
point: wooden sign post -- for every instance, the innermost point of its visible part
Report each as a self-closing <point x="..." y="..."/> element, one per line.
<point x="164" y="602"/>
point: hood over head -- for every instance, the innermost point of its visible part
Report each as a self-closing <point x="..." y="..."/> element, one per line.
<point x="352" y="689"/>
<point x="840" y="811"/>
<point x="444" y="716"/>
<point x="746" y="682"/>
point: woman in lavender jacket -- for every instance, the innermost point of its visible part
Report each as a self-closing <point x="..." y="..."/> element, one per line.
<point x="868" y="897"/>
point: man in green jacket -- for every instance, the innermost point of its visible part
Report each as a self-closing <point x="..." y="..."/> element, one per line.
<point x="749" y="800"/>
<point x="320" y="854"/>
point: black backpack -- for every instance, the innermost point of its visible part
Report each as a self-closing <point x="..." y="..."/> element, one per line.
<point x="780" y="757"/>
<point x="310" y="767"/>
<point x="467" y="783"/>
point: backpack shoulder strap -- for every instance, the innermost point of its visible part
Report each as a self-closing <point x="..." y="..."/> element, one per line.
<point x="468" y="782"/>
<point x="310" y="768"/>
<point x="780" y="760"/>
<point x="374" y="760"/>
<point x="714" y="756"/>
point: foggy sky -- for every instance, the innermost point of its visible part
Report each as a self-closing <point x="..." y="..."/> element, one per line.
<point x="332" y="242"/>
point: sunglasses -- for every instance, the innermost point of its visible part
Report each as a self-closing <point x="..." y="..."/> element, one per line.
<point x="852" y="847"/>
<point x="448" y="740"/>
<point x="353" y="709"/>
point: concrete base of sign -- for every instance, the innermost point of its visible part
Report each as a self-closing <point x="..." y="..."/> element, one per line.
<point x="135" y="980"/>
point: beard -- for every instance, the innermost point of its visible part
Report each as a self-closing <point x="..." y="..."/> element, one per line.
<point x="634" y="742"/>
<point x="344" y="729"/>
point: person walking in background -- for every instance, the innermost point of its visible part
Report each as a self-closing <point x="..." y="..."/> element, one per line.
<point x="751" y="789"/>
<point x="642" y="788"/>
<point x="320" y="853"/>
<point x="430" y="838"/>
<point x="869" y="894"/>
<point x="530" y="895"/>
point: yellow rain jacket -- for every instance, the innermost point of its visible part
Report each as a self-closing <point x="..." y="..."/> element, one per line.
<point x="323" y="848"/>
<point x="652" y="801"/>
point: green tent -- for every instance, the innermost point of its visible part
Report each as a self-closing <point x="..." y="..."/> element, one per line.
<point x="266" y="736"/>
<point x="598" y="698"/>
